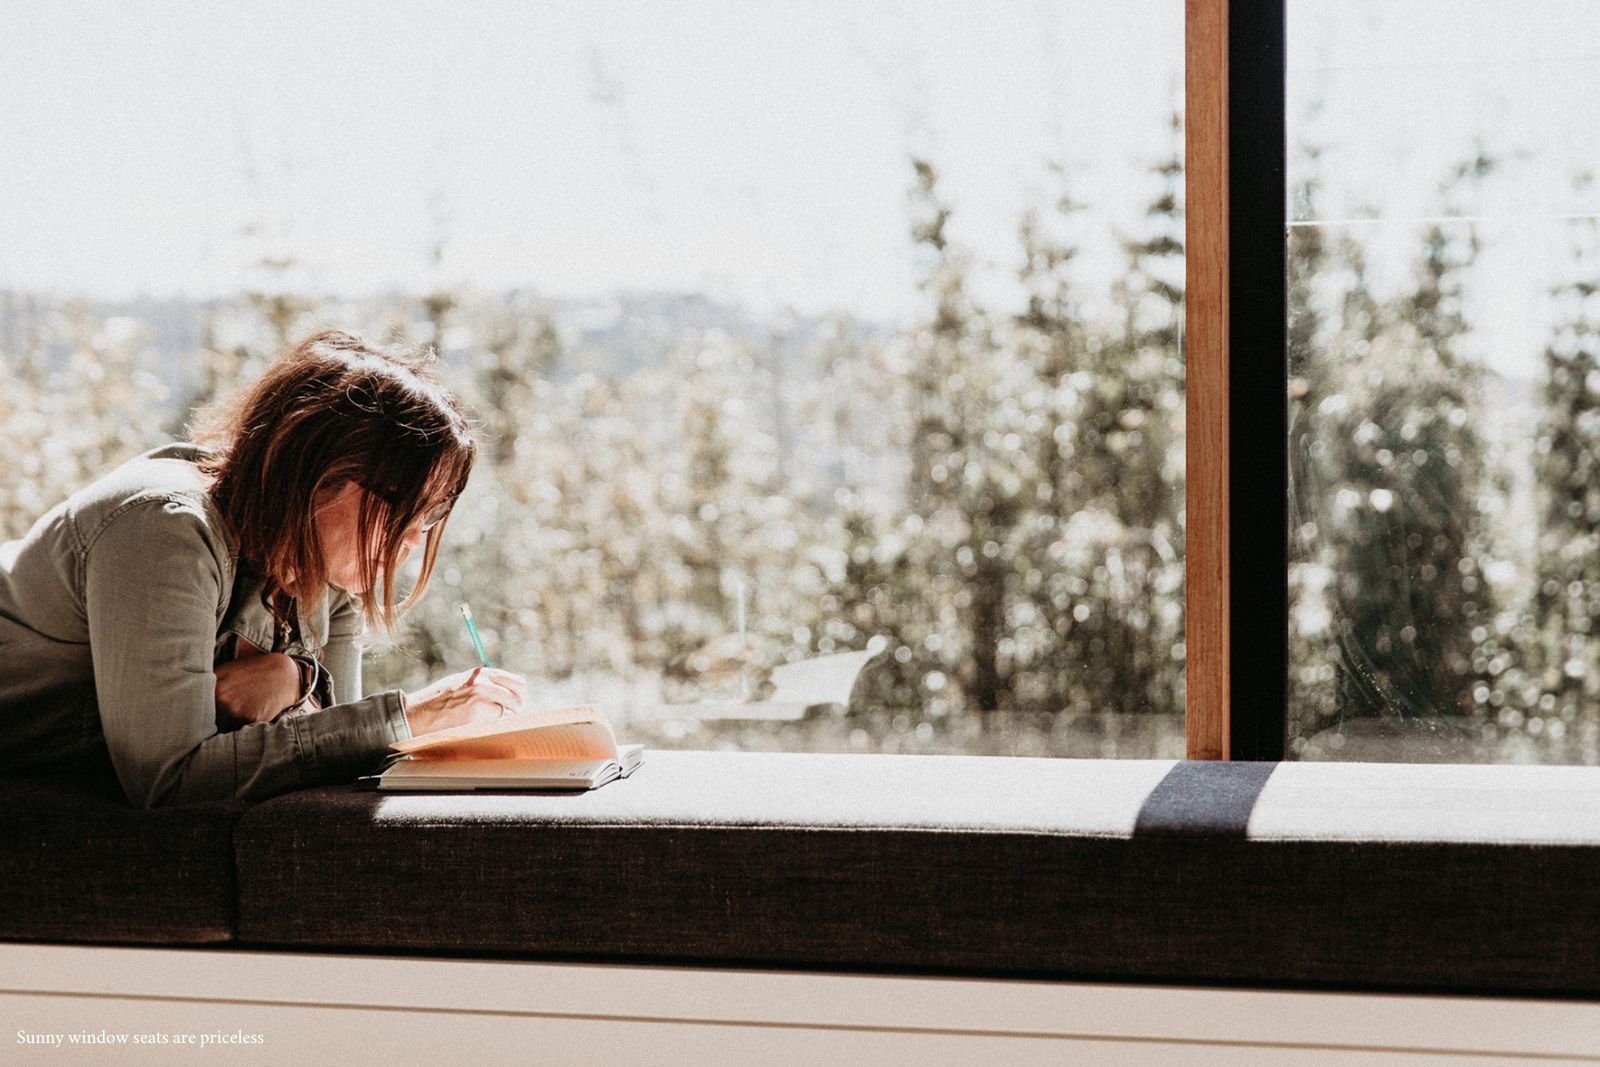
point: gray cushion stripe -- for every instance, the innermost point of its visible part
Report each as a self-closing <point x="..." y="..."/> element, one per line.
<point x="1204" y="798"/>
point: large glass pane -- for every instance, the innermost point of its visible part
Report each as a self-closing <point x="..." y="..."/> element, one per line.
<point x="1444" y="349"/>
<point x="795" y="329"/>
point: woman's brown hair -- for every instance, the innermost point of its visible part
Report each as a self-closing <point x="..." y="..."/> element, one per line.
<point x="331" y="410"/>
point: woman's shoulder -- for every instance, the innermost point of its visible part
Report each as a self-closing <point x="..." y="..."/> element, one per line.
<point x="163" y="487"/>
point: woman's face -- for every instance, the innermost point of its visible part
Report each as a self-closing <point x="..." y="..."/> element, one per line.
<point x="341" y="548"/>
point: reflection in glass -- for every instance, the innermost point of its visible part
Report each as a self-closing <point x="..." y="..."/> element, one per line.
<point x="1443" y="336"/>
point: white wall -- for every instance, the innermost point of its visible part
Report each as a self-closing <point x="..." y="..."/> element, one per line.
<point x="312" y="1008"/>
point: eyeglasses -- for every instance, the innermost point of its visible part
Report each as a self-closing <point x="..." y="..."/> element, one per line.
<point x="436" y="514"/>
<point x="430" y="518"/>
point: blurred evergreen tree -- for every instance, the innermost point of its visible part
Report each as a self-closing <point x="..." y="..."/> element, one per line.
<point x="1568" y="479"/>
<point x="1139" y="427"/>
<point x="1406" y="480"/>
<point x="1057" y="669"/>
<point x="970" y="480"/>
<point x="1103" y="543"/>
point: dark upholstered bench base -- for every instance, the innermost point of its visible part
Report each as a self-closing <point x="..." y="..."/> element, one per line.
<point x="1073" y="869"/>
<point x="80" y="864"/>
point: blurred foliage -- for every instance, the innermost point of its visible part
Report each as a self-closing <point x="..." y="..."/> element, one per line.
<point x="997" y="492"/>
<point x="1419" y="629"/>
<point x="79" y="393"/>
<point x="1567" y="600"/>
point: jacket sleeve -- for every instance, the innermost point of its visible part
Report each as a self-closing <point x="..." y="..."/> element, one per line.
<point x="152" y="584"/>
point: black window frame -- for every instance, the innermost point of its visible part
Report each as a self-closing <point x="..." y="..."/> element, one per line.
<point x="1258" y="445"/>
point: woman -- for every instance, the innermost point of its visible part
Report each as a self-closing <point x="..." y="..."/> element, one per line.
<point x="192" y="619"/>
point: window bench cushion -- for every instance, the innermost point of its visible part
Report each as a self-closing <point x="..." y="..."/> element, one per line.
<point x="77" y="863"/>
<point x="1404" y="877"/>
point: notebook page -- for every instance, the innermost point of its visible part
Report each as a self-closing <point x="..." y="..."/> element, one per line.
<point x="511" y="724"/>
<point x="586" y="740"/>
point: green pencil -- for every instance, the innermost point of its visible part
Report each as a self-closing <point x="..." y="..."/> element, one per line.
<point x="472" y="628"/>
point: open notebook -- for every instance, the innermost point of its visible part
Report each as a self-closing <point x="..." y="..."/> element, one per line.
<point x="556" y="748"/>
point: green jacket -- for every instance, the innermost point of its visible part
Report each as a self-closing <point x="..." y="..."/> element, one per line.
<point x="115" y="609"/>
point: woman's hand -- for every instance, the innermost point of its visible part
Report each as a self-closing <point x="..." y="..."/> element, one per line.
<point x="255" y="688"/>
<point x="482" y="694"/>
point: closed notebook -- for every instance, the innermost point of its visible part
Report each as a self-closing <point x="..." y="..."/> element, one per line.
<point x="556" y="748"/>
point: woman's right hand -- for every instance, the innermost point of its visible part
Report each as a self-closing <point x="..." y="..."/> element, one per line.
<point x="482" y="694"/>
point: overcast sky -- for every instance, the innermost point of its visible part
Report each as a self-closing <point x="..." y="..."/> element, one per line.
<point x="1407" y="89"/>
<point x="755" y="150"/>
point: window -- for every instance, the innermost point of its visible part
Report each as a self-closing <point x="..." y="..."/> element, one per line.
<point x="1444" y="390"/>
<point x="794" y="332"/>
